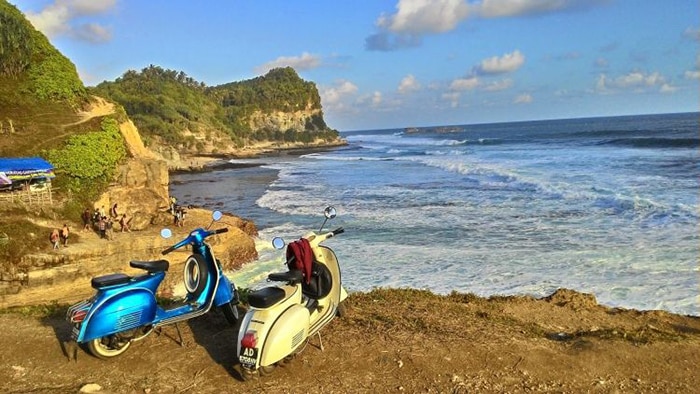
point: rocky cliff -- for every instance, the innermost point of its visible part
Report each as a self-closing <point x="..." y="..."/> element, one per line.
<point x="282" y="120"/>
<point x="64" y="275"/>
<point x="141" y="191"/>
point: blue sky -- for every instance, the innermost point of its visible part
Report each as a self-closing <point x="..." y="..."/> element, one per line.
<point x="401" y="63"/>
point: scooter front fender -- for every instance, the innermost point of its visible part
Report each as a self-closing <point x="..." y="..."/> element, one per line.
<point x="118" y="312"/>
<point x="225" y="292"/>
<point x="343" y="294"/>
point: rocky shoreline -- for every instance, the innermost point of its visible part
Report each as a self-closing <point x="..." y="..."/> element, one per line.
<point x="214" y="162"/>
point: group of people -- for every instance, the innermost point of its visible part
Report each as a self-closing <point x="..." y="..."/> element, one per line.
<point x="178" y="212"/>
<point x="99" y="221"/>
<point x="58" y="237"/>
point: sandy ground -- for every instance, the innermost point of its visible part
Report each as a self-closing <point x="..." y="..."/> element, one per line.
<point x="388" y="342"/>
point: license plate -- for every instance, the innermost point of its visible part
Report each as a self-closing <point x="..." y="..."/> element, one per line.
<point x="75" y="332"/>
<point x="248" y="357"/>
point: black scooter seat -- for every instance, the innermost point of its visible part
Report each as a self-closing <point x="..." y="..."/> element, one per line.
<point x="292" y="276"/>
<point x="265" y="297"/>
<point x="151" y="266"/>
<point x="109" y="280"/>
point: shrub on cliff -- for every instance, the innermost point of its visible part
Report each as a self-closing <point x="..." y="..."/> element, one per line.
<point x="87" y="163"/>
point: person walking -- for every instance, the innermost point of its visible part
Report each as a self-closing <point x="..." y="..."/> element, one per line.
<point x="54" y="238"/>
<point x="86" y="219"/>
<point x="102" y="226"/>
<point x="64" y="235"/>
<point x="108" y="229"/>
<point x="125" y="223"/>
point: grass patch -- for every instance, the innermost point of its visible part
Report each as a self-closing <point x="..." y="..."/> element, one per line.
<point x="50" y="310"/>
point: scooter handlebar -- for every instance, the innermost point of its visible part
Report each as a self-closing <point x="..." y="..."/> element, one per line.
<point x="190" y="239"/>
<point x="337" y="231"/>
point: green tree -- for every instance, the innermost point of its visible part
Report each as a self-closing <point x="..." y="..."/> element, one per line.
<point x="88" y="161"/>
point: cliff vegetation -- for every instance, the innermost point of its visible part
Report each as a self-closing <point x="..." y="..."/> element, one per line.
<point x="171" y="109"/>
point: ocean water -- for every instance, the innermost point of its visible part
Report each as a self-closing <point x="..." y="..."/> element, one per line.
<point x="607" y="206"/>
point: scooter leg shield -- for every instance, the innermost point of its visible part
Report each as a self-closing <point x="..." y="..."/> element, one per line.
<point x="286" y="335"/>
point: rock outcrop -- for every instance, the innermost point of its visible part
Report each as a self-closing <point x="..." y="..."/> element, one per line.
<point x="279" y="120"/>
<point x="64" y="275"/>
<point x="140" y="189"/>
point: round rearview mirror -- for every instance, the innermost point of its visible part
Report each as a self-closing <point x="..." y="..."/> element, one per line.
<point x="166" y="233"/>
<point x="329" y="212"/>
<point x="277" y="243"/>
<point x="217" y="215"/>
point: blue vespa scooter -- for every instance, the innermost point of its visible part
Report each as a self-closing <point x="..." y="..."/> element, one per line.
<point x="125" y="308"/>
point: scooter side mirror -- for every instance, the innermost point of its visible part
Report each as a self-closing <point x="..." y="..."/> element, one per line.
<point x="277" y="243"/>
<point x="216" y="215"/>
<point x="329" y="212"/>
<point x="166" y="233"/>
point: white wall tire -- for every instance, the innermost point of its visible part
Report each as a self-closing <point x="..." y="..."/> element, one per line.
<point x="195" y="274"/>
<point x="106" y="347"/>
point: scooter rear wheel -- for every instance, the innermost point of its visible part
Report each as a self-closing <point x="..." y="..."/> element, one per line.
<point x="107" y="347"/>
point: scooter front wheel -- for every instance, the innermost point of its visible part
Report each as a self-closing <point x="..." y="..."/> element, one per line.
<point x="108" y="347"/>
<point x="341" y="310"/>
<point x="230" y="310"/>
<point x="266" y="370"/>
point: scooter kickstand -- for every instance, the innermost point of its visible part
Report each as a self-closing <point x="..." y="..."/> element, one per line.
<point x="320" y="341"/>
<point x="179" y="335"/>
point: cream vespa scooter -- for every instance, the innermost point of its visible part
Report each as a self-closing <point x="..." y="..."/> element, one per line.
<point x="282" y="318"/>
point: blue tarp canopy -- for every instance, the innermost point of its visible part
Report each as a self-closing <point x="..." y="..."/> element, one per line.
<point x="24" y="168"/>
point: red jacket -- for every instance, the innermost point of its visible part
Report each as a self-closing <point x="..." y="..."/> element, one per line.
<point x="303" y="257"/>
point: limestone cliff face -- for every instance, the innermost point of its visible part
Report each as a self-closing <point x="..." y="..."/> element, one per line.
<point x="141" y="186"/>
<point x="279" y="120"/>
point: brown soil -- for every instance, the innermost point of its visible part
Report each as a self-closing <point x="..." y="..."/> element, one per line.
<point x="389" y="341"/>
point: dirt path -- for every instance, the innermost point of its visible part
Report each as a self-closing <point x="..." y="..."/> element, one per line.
<point x="389" y="341"/>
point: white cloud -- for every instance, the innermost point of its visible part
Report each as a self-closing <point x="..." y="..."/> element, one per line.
<point x="524" y="98"/>
<point x="376" y="98"/>
<point x="509" y="8"/>
<point x="409" y="84"/>
<point x="462" y="84"/>
<point x="635" y="81"/>
<point x="425" y="16"/>
<point x="496" y="86"/>
<point x="499" y="65"/>
<point x="306" y="61"/>
<point x="452" y="98"/>
<point x="58" y="18"/>
<point x="666" y="88"/>
<point x="335" y="95"/>
<point x="694" y="74"/>
<point x="439" y="16"/>
<point x="93" y="32"/>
